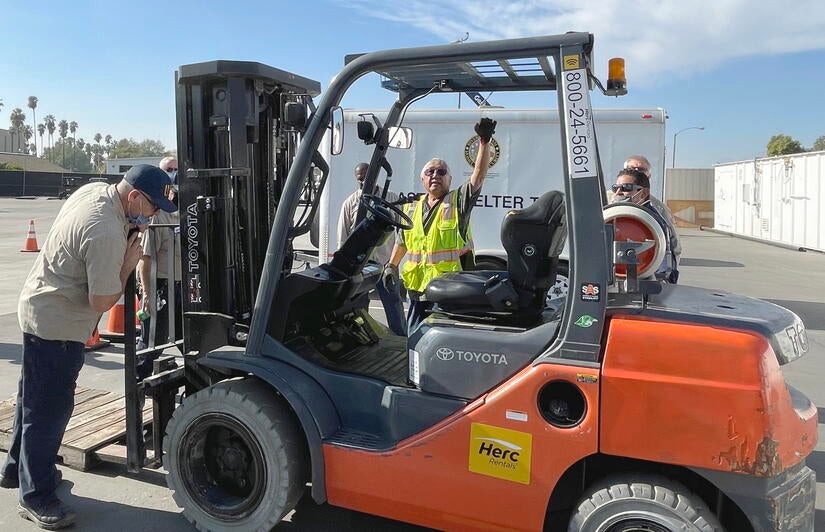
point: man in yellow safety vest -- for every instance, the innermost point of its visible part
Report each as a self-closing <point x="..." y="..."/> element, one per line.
<point x="440" y="240"/>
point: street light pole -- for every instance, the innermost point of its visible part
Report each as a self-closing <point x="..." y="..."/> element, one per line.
<point x="673" y="161"/>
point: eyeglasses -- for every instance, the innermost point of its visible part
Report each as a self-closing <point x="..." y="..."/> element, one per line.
<point x="641" y="169"/>
<point x="155" y="208"/>
<point x="433" y="170"/>
<point x="171" y="169"/>
<point x="626" y="187"/>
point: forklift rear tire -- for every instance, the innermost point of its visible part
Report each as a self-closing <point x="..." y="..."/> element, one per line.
<point x="235" y="457"/>
<point x="642" y="502"/>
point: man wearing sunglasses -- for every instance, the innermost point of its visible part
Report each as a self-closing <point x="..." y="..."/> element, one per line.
<point x="390" y="296"/>
<point x="79" y="274"/>
<point x="440" y="239"/>
<point x="642" y="164"/>
<point x="633" y="186"/>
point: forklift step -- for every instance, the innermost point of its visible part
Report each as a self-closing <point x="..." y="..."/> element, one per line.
<point x="98" y="419"/>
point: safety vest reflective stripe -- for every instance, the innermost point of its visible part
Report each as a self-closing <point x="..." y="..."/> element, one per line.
<point x="432" y="257"/>
<point x="437" y="251"/>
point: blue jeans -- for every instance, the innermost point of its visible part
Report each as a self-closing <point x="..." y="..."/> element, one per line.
<point x="45" y="400"/>
<point x="417" y="313"/>
<point x="393" y="308"/>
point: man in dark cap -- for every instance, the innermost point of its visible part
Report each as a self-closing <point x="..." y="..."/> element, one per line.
<point x="79" y="274"/>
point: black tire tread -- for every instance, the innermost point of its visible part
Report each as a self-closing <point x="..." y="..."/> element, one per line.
<point x="262" y="402"/>
<point x="655" y="488"/>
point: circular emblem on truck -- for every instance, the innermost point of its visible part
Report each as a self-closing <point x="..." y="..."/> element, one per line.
<point x="444" y="353"/>
<point x="471" y="149"/>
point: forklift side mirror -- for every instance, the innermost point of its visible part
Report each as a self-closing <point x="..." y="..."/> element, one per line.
<point x="400" y="137"/>
<point x="295" y="115"/>
<point x="337" y="144"/>
<point x="366" y="132"/>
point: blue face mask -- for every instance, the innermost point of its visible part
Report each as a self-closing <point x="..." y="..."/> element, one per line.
<point x="140" y="219"/>
<point x="172" y="175"/>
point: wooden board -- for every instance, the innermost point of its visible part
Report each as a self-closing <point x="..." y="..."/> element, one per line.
<point x="98" y="419"/>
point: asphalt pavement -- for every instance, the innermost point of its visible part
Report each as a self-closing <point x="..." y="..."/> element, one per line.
<point x="107" y="498"/>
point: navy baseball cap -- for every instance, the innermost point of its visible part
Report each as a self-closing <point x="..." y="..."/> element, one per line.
<point x="153" y="182"/>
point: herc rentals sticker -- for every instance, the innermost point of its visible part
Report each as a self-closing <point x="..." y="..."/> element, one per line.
<point x="500" y="453"/>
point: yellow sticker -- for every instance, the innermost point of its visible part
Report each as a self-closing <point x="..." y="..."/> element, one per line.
<point x="500" y="453"/>
<point x="571" y="62"/>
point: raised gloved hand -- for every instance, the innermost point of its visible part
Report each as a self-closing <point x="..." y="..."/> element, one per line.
<point x="485" y="128"/>
<point x="390" y="277"/>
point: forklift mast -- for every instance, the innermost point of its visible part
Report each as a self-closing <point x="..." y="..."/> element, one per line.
<point x="235" y="149"/>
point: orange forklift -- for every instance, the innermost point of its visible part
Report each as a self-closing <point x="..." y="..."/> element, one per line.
<point x="627" y="405"/>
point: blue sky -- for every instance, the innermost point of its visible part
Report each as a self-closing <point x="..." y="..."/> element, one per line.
<point x="744" y="70"/>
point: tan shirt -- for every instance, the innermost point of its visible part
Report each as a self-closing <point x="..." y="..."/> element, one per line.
<point x="346" y="225"/>
<point x="82" y="254"/>
<point x="158" y="242"/>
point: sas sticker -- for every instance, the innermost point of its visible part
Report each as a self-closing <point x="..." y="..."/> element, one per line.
<point x="571" y="62"/>
<point x="590" y="291"/>
<point x="500" y="453"/>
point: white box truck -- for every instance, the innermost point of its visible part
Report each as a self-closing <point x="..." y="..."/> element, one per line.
<point x="524" y="153"/>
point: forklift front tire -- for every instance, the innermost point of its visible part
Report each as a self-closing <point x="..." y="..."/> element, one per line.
<point x="642" y="502"/>
<point x="235" y="457"/>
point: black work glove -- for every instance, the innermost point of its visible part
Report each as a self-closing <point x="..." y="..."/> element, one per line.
<point x="390" y="277"/>
<point x="485" y="128"/>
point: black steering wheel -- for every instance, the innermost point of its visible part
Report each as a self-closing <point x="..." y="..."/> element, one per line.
<point x="386" y="211"/>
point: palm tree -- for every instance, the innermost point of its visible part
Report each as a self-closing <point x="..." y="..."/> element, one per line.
<point x="33" y="105"/>
<point x="28" y="133"/>
<point x="41" y="130"/>
<point x="49" y="120"/>
<point x="73" y="131"/>
<point x="64" y="131"/>
<point x="17" y="118"/>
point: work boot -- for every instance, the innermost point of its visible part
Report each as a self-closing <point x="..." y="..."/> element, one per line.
<point x="14" y="483"/>
<point x="53" y="516"/>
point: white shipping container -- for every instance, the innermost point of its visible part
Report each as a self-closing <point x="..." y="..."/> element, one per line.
<point x="780" y="199"/>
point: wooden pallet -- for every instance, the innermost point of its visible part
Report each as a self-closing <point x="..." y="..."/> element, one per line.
<point x="98" y="419"/>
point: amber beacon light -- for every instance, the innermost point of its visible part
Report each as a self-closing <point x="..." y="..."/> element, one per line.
<point x="616" y="80"/>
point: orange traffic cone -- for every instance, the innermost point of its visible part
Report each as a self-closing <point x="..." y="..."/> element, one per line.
<point x="31" y="240"/>
<point x="95" y="342"/>
<point x="117" y="319"/>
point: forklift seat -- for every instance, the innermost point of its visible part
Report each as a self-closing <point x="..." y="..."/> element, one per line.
<point x="533" y="238"/>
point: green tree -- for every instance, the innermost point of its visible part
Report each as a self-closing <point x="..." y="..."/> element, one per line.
<point x="64" y="132"/>
<point x="73" y="131"/>
<point x="41" y="130"/>
<point x="819" y="144"/>
<point x="50" y="122"/>
<point x="27" y="133"/>
<point x="33" y="105"/>
<point x="79" y="160"/>
<point x="129" y="147"/>
<point x="783" y="145"/>
<point x="17" y="119"/>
